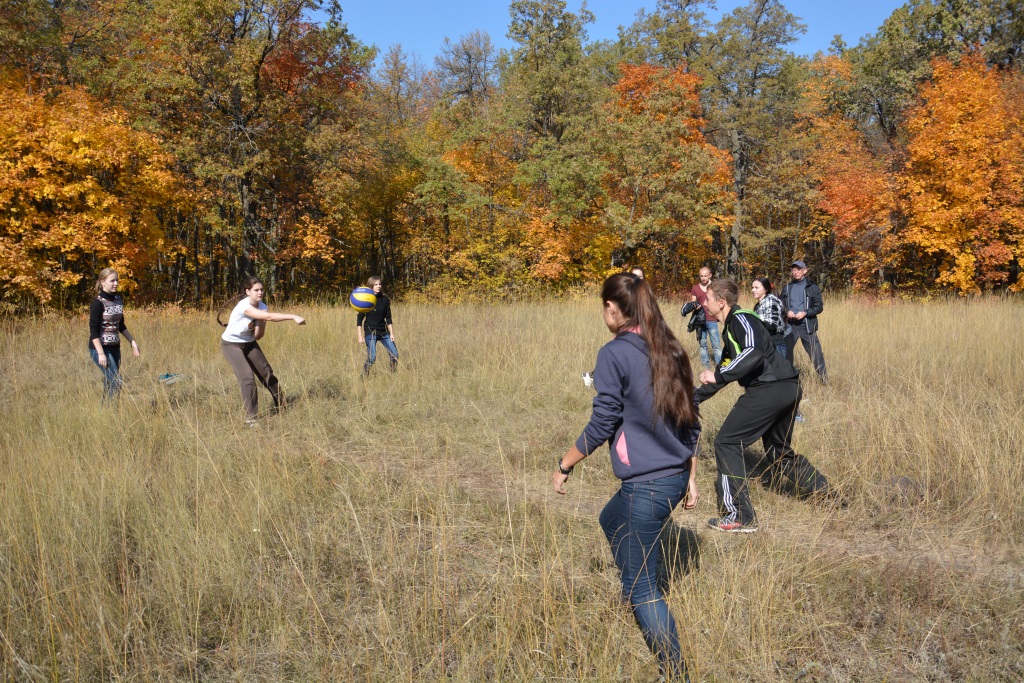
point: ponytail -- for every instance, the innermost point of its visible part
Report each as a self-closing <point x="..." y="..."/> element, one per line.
<point x="247" y="284"/>
<point x="671" y="375"/>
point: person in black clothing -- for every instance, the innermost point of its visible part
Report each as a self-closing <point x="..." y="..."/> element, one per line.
<point x="106" y="327"/>
<point x="766" y="411"/>
<point x="377" y="326"/>
<point x="802" y="302"/>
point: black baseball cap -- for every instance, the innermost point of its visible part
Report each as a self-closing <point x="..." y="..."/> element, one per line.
<point x="799" y="264"/>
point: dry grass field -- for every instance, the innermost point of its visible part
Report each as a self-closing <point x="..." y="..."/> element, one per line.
<point x="403" y="528"/>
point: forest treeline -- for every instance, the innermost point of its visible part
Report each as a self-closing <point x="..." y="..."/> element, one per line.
<point x="189" y="144"/>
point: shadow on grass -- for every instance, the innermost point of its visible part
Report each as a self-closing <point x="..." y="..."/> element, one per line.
<point x="680" y="548"/>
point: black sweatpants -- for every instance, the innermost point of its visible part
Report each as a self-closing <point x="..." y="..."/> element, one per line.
<point x="765" y="412"/>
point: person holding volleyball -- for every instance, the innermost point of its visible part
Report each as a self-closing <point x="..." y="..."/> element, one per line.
<point x="644" y="410"/>
<point x="240" y="346"/>
<point x="376" y="326"/>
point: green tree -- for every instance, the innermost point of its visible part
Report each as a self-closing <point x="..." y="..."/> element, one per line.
<point x="751" y="88"/>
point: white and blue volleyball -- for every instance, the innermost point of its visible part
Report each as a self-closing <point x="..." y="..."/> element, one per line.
<point x="362" y="299"/>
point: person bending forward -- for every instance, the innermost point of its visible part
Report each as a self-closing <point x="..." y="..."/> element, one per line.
<point x="765" y="411"/>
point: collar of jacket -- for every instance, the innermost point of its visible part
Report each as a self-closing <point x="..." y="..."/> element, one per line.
<point x="635" y="340"/>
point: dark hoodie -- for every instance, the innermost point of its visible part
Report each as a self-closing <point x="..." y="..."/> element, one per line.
<point x="642" y="448"/>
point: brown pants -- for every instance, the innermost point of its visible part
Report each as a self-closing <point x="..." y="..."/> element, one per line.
<point x="248" y="359"/>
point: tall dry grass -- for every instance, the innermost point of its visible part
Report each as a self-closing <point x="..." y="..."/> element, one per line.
<point x="403" y="528"/>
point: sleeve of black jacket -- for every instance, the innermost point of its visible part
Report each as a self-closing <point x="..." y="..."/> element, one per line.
<point x="704" y="392"/>
<point x="815" y="305"/>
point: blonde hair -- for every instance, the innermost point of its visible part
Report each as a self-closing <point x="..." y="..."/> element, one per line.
<point x="104" y="274"/>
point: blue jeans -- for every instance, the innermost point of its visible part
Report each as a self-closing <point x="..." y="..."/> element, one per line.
<point x="371" y="350"/>
<point x="704" y="334"/>
<point x="111" y="373"/>
<point x="633" y="521"/>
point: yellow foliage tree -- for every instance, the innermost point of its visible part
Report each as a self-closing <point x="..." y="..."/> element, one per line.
<point x="79" y="190"/>
<point x="964" y="173"/>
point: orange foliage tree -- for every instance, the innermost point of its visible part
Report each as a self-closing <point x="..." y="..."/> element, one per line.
<point x="855" y="186"/>
<point x="964" y="174"/>
<point x="79" y="190"/>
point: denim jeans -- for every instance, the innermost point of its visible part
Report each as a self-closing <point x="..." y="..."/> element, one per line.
<point x="111" y="373"/>
<point x="632" y="522"/>
<point x="704" y="334"/>
<point x="371" y="350"/>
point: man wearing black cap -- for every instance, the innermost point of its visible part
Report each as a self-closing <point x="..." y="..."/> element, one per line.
<point x="801" y="300"/>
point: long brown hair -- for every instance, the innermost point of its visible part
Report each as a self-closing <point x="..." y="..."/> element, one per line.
<point x="671" y="375"/>
<point x="247" y="284"/>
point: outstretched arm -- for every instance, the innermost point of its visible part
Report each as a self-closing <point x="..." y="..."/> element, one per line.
<point x="267" y="316"/>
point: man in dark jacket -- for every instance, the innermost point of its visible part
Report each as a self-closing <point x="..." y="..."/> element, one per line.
<point x="801" y="300"/>
<point x="765" y="411"/>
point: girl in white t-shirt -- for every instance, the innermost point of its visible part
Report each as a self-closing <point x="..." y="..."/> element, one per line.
<point x="245" y="327"/>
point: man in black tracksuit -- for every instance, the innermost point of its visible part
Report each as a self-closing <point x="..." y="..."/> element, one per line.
<point x="765" y="411"/>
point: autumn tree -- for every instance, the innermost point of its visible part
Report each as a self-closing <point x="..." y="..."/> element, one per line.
<point x="243" y="94"/>
<point x="964" y="173"/>
<point x="664" y="179"/>
<point x="750" y="90"/>
<point x="551" y="102"/>
<point x="80" y="190"/>
<point x="856" y="188"/>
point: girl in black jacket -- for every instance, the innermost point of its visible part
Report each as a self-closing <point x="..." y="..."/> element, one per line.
<point x="106" y="327"/>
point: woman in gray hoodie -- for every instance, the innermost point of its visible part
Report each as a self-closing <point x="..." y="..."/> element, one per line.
<point x="644" y="410"/>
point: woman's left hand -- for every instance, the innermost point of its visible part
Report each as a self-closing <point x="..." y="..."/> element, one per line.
<point x="559" y="479"/>
<point x="135" y="348"/>
<point x="690" y="501"/>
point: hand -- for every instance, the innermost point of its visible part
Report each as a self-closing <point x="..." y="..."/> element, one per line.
<point x="801" y="315"/>
<point x="135" y="348"/>
<point x="790" y="314"/>
<point x="690" y="501"/>
<point x="103" y="360"/>
<point x="707" y="377"/>
<point x="559" y="479"/>
<point x="362" y="340"/>
<point x="299" y="320"/>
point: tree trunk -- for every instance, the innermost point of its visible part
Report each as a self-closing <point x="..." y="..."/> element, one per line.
<point x="739" y="175"/>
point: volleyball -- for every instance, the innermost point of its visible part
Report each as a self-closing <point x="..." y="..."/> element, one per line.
<point x="362" y="299"/>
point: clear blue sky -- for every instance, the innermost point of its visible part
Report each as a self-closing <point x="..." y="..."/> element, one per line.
<point x="421" y="26"/>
